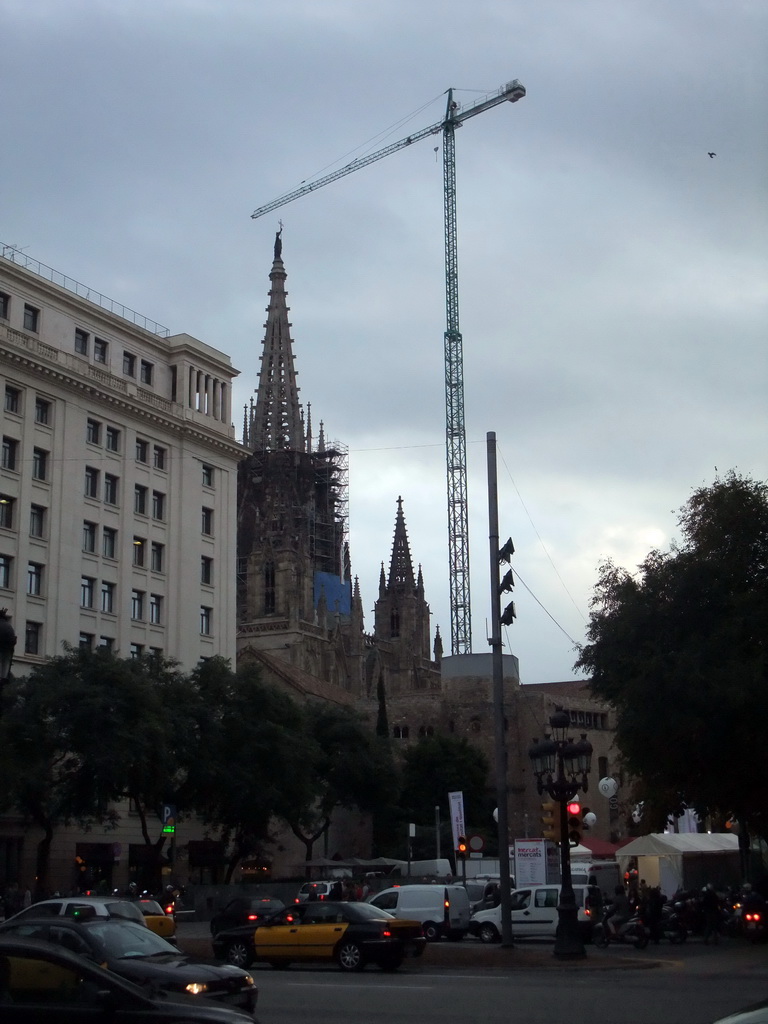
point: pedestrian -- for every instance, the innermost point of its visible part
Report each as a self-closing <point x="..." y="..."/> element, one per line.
<point x="594" y="901"/>
<point x="654" y="912"/>
<point x="710" y="904"/>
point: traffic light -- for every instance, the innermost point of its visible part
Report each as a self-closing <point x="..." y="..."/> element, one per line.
<point x="575" y="824"/>
<point x="461" y="847"/>
<point x="550" y="819"/>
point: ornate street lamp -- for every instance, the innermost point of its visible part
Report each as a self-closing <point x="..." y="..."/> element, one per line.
<point x="561" y="767"/>
<point x="7" y="644"/>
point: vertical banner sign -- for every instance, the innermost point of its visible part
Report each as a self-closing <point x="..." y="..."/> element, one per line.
<point x="456" y="803"/>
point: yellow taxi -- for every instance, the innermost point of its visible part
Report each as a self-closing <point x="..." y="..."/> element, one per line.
<point x="156" y="919"/>
<point x="346" y="933"/>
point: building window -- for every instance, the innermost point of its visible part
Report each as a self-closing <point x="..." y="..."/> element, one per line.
<point x="34" y="579"/>
<point x="99" y="351"/>
<point x="42" y="411"/>
<point x="137" y="650"/>
<point x="93" y="431"/>
<point x="89" y="537"/>
<point x="36" y="521"/>
<point x="140" y="500"/>
<point x="142" y="450"/>
<point x="10" y="452"/>
<point x="108" y="597"/>
<point x="110" y="489"/>
<point x="139" y="551"/>
<point x="157" y="553"/>
<point x="5" y="305"/>
<point x="5" y="571"/>
<point x="206" y="570"/>
<point x="87" y="591"/>
<point x="158" y="505"/>
<point x="109" y="542"/>
<point x="158" y="457"/>
<point x="129" y="364"/>
<point x="112" y="439"/>
<point x="155" y="609"/>
<point x="12" y="400"/>
<point x="86" y="641"/>
<point x="91" y="482"/>
<point x="207" y="521"/>
<point x="146" y="371"/>
<point x="206" y="617"/>
<point x="33" y="633"/>
<point x="39" y="464"/>
<point x="31" y="318"/>
<point x="6" y="512"/>
<point x="107" y="643"/>
<point x="137" y="604"/>
<point x="81" y="342"/>
<point x="207" y="476"/>
<point x="269" y="588"/>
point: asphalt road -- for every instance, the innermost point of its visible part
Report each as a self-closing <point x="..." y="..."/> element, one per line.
<point x="471" y="983"/>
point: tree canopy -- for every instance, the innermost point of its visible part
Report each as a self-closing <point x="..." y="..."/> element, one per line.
<point x="679" y="649"/>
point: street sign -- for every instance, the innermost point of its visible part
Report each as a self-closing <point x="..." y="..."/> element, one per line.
<point x="476" y="843"/>
<point x="168" y="818"/>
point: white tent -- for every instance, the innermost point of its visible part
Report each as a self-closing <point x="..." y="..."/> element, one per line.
<point x="678" y="860"/>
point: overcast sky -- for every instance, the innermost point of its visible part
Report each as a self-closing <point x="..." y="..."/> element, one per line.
<point x="613" y="276"/>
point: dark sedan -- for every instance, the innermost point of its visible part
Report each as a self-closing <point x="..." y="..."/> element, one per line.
<point x="137" y="954"/>
<point x="349" y="934"/>
<point x="245" y="910"/>
<point x="42" y="982"/>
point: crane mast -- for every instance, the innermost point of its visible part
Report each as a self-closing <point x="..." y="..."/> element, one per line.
<point x="455" y="431"/>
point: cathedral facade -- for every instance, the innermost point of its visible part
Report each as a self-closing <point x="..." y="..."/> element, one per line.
<point x="300" y="611"/>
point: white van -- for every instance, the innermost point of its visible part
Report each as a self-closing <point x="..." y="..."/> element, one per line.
<point x="441" y="909"/>
<point x="533" y="911"/>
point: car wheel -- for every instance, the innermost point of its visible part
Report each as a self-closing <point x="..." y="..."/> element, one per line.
<point x="431" y="931"/>
<point x="349" y="957"/>
<point x="487" y="933"/>
<point x="238" y="954"/>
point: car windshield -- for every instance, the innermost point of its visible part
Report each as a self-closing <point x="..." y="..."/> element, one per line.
<point x="366" y="912"/>
<point x="150" y="907"/>
<point x="128" y="940"/>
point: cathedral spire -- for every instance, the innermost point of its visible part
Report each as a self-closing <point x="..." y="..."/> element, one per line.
<point x="277" y="421"/>
<point x="401" y="567"/>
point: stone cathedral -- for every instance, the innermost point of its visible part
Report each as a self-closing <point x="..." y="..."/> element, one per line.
<point x="300" y="611"/>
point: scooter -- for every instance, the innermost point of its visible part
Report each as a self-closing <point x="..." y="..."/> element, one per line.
<point x="632" y="933"/>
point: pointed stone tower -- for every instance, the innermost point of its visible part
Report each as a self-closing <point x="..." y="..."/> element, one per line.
<point x="294" y="592"/>
<point x="401" y="612"/>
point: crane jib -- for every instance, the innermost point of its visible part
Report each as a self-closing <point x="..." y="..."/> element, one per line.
<point x="456" y="465"/>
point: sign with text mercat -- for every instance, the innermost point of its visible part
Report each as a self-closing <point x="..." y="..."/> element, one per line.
<point x="530" y="862"/>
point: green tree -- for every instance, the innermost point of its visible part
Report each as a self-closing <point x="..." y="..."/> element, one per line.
<point x="437" y="766"/>
<point x="88" y="729"/>
<point x="252" y="764"/>
<point x="679" y="649"/>
<point x="347" y="767"/>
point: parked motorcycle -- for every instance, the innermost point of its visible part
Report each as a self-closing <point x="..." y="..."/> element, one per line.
<point x="672" y="927"/>
<point x="632" y="933"/>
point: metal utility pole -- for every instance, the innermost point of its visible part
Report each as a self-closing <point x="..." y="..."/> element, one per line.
<point x="455" y="432"/>
<point x="497" y="556"/>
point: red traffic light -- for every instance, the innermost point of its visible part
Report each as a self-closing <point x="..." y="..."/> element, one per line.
<point x="574" y="808"/>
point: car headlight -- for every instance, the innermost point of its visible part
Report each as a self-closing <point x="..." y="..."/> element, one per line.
<point x="196" y="988"/>
<point x="248" y="980"/>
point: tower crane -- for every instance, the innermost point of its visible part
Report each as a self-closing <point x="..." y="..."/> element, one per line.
<point x="455" y="432"/>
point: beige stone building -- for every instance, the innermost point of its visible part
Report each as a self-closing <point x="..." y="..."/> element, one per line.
<point x="117" y="494"/>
